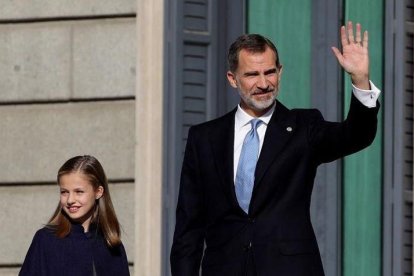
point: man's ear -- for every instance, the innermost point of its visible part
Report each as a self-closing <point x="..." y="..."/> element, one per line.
<point x="99" y="192"/>
<point x="280" y="71"/>
<point x="279" y="76"/>
<point x="232" y="79"/>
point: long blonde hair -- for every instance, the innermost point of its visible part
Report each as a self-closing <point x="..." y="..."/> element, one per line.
<point x="104" y="214"/>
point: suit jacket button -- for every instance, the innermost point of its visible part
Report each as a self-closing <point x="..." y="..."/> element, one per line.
<point x="252" y="220"/>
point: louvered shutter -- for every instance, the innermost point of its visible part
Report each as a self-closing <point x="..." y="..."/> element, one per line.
<point x="398" y="142"/>
<point x="197" y="32"/>
<point x="408" y="142"/>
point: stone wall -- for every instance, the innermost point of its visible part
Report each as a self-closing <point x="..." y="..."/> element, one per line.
<point x="67" y="82"/>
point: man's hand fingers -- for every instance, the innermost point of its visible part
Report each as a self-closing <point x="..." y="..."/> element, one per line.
<point x="358" y="33"/>
<point x="344" y="39"/>
<point x="365" y="41"/>
<point x="350" y="32"/>
<point x="338" y="55"/>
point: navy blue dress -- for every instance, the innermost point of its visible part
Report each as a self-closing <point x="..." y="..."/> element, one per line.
<point x="77" y="254"/>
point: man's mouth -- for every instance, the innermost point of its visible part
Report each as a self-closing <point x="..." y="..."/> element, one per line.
<point x="262" y="92"/>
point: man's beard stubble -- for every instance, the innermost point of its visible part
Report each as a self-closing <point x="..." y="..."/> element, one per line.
<point x="259" y="105"/>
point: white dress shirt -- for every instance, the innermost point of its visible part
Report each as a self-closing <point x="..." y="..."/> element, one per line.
<point x="242" y="120"/>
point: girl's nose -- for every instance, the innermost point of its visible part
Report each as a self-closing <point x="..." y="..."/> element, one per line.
<point x="71" y="199"/>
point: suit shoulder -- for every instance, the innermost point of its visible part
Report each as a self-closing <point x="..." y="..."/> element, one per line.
<point x="307" y="114"/>
<point x="305" y="111"/>
<point x="212" y="124"/>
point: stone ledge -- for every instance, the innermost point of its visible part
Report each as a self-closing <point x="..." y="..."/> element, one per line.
<point x="68" y="59"/>
<point x="37" y="139"/>
<point x="14" y="10"/>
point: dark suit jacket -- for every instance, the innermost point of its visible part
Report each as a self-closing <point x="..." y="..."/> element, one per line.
<point x="277" y="232"/>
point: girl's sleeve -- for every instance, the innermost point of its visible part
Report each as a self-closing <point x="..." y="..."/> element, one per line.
<point x="125" y="266"/>
<point x="32" y="264"/>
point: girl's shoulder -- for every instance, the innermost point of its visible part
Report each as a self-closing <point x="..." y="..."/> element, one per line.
<point x="44" y="234"/>
<point x="46" y="231"/>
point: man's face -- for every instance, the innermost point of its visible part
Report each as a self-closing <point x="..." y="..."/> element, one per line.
<point x="257" y="80"/>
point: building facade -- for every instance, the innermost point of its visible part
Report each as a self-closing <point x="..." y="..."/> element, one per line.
<point x="67" y="87"/>
<point x="125" y="80"/>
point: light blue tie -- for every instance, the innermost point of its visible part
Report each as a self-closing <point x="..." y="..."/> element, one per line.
<point x="247" y="166"/>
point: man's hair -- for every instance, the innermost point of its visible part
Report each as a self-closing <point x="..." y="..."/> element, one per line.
<point x="254" y="43"/>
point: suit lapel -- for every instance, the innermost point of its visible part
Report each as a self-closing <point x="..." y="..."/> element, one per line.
<point x="280" y="129"/>
<point x="222" y="144"/>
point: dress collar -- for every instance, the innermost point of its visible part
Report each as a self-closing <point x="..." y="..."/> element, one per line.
<point x="77" y="229"/>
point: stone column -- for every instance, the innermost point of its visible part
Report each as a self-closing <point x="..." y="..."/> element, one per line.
<point x="149" y="137"/>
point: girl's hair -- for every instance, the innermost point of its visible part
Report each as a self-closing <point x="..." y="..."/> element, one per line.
<point x="104" y="216"/>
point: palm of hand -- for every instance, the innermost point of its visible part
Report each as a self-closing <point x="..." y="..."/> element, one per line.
<point x="355" y="59"/>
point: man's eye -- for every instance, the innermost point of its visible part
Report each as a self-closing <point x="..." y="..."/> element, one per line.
<point x="270" y="72"/>
<point x="63" y="192"/>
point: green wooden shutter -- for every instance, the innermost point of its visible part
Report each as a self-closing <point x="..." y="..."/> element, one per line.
<point x="288" y="24"/>
<point x="362" y="171"/>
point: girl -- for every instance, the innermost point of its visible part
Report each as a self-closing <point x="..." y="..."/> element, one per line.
<point x="83" y="235"/>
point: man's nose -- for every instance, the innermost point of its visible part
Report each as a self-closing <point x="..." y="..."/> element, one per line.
<point x="262" y="83"/>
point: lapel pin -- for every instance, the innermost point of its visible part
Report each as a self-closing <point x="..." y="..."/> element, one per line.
<point x="289" y="129"/>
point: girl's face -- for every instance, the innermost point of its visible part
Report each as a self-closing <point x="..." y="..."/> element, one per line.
<point x="77" y="197"/>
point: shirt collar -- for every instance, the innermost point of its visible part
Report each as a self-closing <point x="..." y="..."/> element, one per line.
<point x="242" y="118"/>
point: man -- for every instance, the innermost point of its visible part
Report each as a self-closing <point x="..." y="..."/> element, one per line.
<point x="247" y="177"/>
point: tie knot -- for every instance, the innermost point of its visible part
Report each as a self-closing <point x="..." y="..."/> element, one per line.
<point x="255" y="123"/>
